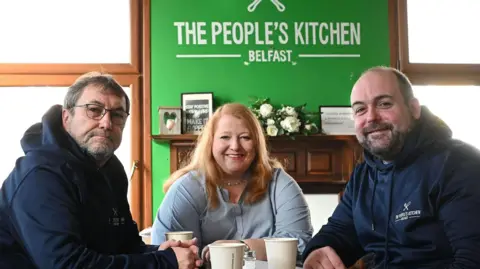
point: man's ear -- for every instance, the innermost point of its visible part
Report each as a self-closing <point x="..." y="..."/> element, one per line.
<point x="65" y="117"/>
<point x="415" y="108"/>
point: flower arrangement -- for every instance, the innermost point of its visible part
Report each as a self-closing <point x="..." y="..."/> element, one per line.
<point x="283" y="120"/>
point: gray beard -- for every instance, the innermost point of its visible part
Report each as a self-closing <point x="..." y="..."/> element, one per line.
<point x="100" y="155"/>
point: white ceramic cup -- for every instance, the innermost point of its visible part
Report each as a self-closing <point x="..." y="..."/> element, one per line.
<point x="183" y="235"/>
<point x="281" y="252"/>
<point x="226" y="255"/>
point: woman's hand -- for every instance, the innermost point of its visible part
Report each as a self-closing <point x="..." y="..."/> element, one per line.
<point x="206" y="249"/>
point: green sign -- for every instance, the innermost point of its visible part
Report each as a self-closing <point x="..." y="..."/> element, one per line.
<point x="292" y="51"/>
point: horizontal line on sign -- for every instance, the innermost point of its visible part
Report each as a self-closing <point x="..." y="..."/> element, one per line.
<point x="328" y="55"/>
<point x="209" y="55"/>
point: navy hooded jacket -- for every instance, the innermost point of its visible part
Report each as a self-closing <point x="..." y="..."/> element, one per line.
<point x="420" y="211"/>
<point x="59" y="210"/>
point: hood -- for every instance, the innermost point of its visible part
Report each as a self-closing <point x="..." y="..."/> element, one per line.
<point x="428" y="129"/>
<point x="48" y="136"/>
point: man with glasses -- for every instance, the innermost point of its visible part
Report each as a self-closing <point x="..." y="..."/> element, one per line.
<point x="65" y="205"/>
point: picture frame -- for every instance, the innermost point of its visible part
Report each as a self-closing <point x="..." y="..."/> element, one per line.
<point x="170" y="120"/>
<point x="337" y="120"/>
<point x="197" y="108"/>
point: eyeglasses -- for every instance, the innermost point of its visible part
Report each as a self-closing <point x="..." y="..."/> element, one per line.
<point x="96" y="112"/>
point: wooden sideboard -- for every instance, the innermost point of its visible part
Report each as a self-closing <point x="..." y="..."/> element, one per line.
<point x="319" y="163"/>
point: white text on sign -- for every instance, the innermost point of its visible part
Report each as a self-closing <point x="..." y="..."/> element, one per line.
<point x="268" y="33"/>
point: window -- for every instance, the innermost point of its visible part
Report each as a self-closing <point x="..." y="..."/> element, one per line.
<point x="442" y="31"/>
<point x="437" y="41"/>
<point x="69" y="37"/>
<point x="48" y="44"/>
<point x="438" y="51"/>
<point x="457" y="106"/>
<point x="58" y="31"/>
<point x="20" y="113"/>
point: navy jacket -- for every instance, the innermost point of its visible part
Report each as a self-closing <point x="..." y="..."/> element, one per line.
<point x="59" y="210"/>
<point x="420" y="211"/>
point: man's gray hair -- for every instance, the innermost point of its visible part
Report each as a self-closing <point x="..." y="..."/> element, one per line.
<point x="105" y="81"/>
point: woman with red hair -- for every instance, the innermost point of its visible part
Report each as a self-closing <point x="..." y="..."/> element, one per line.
<point x="232" y="190"/>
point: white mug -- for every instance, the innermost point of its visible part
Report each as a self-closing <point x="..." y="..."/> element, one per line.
<point x="226" y="255"/>
<point x="281" y="252"/>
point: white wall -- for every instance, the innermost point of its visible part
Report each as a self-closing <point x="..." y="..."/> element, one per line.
<point x="321" y="208"/>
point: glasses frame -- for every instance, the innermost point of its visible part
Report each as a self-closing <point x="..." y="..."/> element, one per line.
<point x="105" y="111"/>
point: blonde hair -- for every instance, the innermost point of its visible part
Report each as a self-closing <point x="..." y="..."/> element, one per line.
<point x="203" y="161"/>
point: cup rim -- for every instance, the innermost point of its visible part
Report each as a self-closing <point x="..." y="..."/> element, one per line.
<point x="281" y="239"/>
<point x="228" y="245"/>
<point x="180" y="232"/>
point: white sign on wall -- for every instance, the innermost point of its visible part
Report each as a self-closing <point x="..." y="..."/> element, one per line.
<point x="337" y="120"/>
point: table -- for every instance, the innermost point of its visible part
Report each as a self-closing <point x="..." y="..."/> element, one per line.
<point x="264" y="265"/>
<point x="258" y="265"/>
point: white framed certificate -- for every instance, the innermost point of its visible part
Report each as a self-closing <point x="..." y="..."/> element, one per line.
<point x="337" y="120"/>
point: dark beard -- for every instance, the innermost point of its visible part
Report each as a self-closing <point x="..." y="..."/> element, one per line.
<point x="391" y="151"/>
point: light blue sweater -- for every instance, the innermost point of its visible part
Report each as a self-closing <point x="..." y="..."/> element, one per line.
<point x="283" y="212"/>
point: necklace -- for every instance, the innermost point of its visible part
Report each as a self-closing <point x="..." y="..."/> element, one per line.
<point x="235" y="183"/>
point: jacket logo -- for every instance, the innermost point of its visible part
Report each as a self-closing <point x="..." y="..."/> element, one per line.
<point x="407" y="213"/>
<point x="115" y="219"/>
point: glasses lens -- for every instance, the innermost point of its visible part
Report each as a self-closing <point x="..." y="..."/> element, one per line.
<point x="118" y="117"/>
<point x="95" y="112"/>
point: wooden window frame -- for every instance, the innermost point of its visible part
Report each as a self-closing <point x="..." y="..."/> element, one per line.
<point x="130" y="75"/>
<point x="427" y="73"/>
<point x="72" y="68"/>
<point x="133" y="81"/>
<point x="147" y="122"/>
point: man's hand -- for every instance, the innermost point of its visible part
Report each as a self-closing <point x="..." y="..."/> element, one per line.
<point x="181" y="244"/>
<point x="187" y="257"/>
<point x="323" y="258"/>
<point x="185" y="251"/>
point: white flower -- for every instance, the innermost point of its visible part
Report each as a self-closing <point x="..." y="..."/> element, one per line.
<point x="272" y="130"/>
<point x="290" y="111"/>
<point x="291" y="124"/>
<point x="270" y="122"/>
<point x="308" y="127"/>
<point x="266" y="110"/>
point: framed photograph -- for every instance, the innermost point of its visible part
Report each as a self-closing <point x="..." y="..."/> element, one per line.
<point x="197" y="108"/>
<point x="337" y="120"/>
<point x="170" y="120"/>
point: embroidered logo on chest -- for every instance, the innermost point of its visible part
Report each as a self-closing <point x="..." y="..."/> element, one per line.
<point x="115" y="219"/>
<point x="407" y="214"/>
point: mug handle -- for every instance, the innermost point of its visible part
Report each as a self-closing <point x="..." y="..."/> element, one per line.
<point x="204" y="252"/>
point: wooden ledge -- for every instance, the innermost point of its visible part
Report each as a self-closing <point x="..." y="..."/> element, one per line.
<point x="191" y="137"/>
